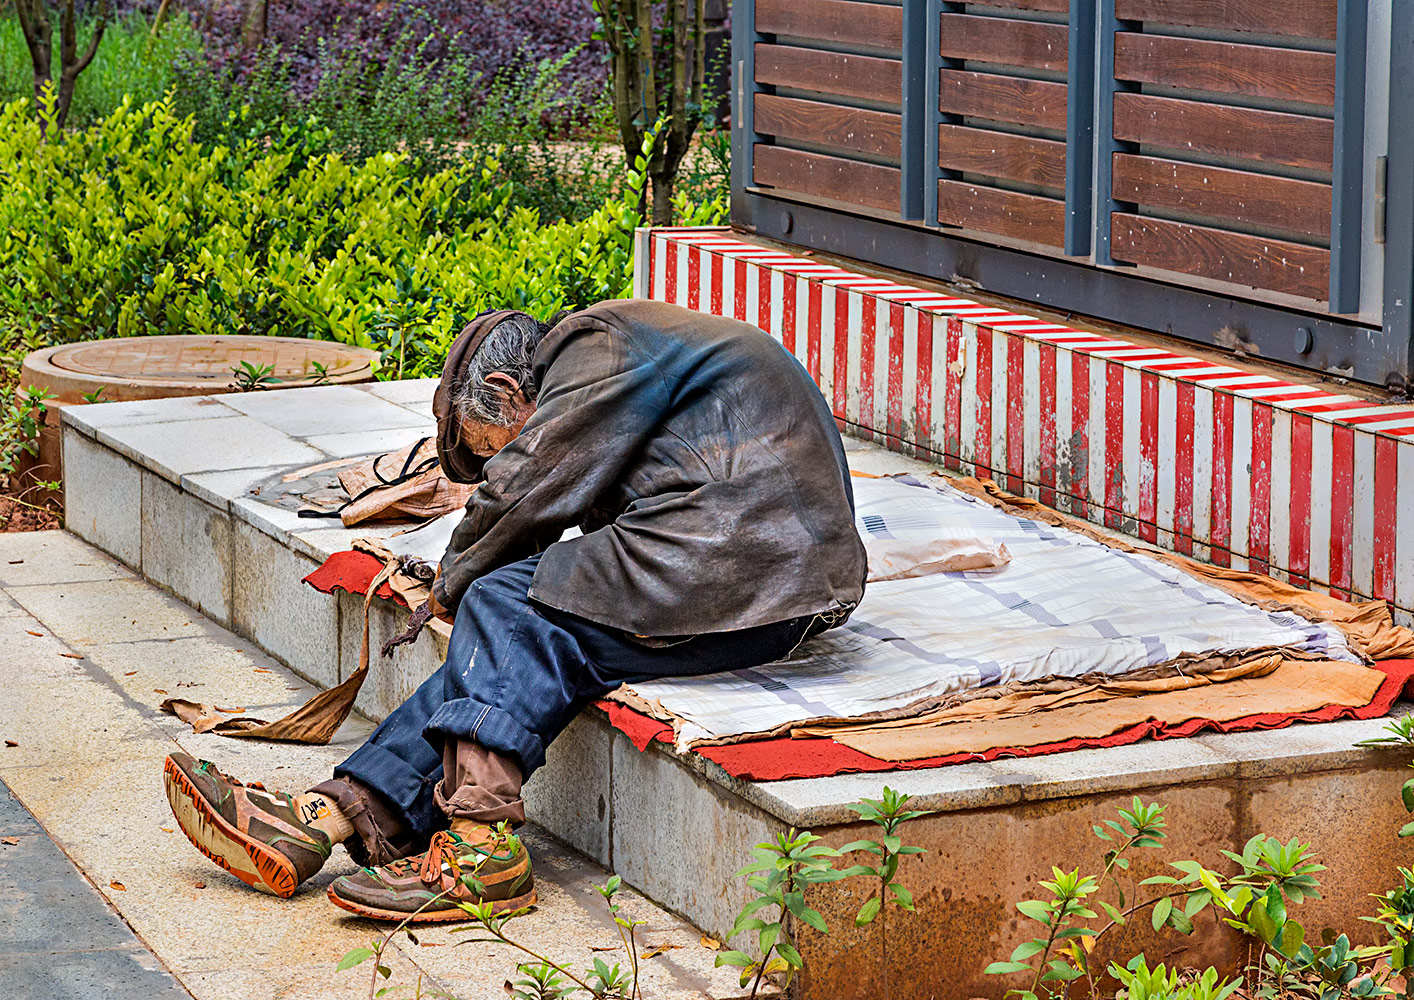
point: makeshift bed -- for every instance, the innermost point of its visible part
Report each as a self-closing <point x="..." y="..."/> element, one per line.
<point x="993" y="626"/>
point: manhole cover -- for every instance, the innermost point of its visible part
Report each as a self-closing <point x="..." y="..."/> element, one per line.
<point x="152" y="367"/>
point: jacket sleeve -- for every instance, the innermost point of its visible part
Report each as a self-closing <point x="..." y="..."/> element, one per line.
<point x="600" y="399"/>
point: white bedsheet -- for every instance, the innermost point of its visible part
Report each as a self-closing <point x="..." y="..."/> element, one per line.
<point x="1064" y="605"/>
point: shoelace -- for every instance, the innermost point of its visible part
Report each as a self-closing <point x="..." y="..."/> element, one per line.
<point x="442" y="847"/>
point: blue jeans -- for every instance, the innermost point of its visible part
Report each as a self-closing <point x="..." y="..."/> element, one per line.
<point x="516" y="673"/>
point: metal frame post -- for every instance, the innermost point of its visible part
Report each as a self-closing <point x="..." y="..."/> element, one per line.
<point x="1105" y="145"/>
<point x="744" y="38"/>
<point x="933" y="62"/>
<point x="1399" y="200"/>
<point x="914" y="165"/>
<point x="1348" y="165"/>
<point x="1080" y="129"/>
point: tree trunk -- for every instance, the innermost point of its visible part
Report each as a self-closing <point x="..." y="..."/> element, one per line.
<point x="38" y="34"/>
<point x="160" y="16"/>
<point x="663" y="198"/>
<point x="254" y="24"/>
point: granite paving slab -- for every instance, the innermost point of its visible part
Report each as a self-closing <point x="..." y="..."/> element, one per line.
<point x="59" y="939"/>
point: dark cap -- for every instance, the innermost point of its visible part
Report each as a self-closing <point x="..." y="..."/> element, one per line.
<point x="461" y="464"/>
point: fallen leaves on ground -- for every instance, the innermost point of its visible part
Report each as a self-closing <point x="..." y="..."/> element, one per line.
<point x="115" y="884"/>
<point x="11" y="743"/>
<point x="33" y="632"/>
<point x="9" y="841"/>
<point x="261" y="670"/>
<point x="199" y="885"/>
<point x="166" y="829"/>
<point x="658" y="949"/>
<point x="72" y="656"/>
<point x="130" y="673"/>
<point x="711" y="944"/>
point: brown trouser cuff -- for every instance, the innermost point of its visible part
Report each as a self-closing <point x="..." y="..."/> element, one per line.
<point x="380" y="835"/>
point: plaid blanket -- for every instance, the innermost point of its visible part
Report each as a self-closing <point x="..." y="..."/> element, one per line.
<point x="1064" y="605"/>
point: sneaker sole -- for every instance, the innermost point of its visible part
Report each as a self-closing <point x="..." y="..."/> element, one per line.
<point x="257" y="865"/>
<point x="499" y="907"/>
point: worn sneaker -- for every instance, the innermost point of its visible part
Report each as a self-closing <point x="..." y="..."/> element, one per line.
<point x="255" y="835"/>
<point x="410" y="888"/>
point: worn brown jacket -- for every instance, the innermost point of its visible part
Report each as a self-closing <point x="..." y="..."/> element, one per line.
<point x="701" y="463"/>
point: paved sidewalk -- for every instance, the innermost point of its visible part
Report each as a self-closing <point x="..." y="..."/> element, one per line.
<point x="91" y="650"/>
<point x="59" y="939"/>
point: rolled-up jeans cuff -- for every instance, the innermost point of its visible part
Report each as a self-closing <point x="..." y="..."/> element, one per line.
<point x="493" y="728"/>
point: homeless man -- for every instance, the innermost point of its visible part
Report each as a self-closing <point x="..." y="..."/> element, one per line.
<point x="709" y="482"/>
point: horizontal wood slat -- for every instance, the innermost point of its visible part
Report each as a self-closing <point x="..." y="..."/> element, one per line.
<point x="1058" y="6"/>
<point x="1006" y="213"/>
<point x="879" y="25"/>
<point x="1001" y="154"/>
<point x="1301" y="18"/>
<point x="830" y="177"/>
<point x="1034" y="44"/>
<point x="1226" y="67"/>
<point x="877" y="132"/>
<point x="1254" y="199"/>
<point x="830" y="72"/>
<point x="1268" y="136"/>
<point x="1002" y="98"/>
<point x="1224" y="256"/>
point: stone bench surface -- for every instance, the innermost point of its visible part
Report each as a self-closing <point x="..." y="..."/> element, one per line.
<point x="163" y="485"/>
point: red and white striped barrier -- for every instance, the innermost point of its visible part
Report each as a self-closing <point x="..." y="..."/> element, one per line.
<point x="1234" y="467"/>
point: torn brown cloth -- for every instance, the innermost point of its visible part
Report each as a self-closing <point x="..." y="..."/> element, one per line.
<point x="701" y="463"/>
<point x="1292" y="686"/>
<point x="407" y="484"/>
<point x="316" y="721"/>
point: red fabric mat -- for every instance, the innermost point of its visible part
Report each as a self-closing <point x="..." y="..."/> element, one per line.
<point x="780" y="758"/>
<point x="350" y="571"/>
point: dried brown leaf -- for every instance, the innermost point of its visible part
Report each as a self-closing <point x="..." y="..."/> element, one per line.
<point x="262" y="670"/>
<point x="198" y="885"/>
<point x="9" y="841"/>
<point x="33" y="632"/>
<point x="72" y="656"/>
<point x="115" y="884"/>
<point x="711" y="944"/>
<point x="130" y="673"/>
<point x="658" y="949"/>
<point x="11" y="743"/>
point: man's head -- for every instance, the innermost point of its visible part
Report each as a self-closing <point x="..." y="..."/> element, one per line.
<point x="487" y="392"/>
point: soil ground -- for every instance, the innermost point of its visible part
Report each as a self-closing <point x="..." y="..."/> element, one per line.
<point x="16" y="515"/>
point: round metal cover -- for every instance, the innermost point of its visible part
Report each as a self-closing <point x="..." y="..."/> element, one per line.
<point x="150" y="367"/>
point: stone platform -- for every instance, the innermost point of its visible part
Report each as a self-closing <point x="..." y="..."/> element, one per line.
<point x="163" y="486"/>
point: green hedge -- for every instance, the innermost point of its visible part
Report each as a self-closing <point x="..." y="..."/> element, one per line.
<point x="131" y="228"/>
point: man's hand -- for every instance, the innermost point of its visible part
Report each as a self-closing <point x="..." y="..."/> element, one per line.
<point x="435" y="606"/>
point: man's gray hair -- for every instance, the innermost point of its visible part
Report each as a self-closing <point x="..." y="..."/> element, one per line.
<point x="509" y="349"/>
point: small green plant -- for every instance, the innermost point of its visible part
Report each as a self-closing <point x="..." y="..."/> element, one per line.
<point x="319" y="374"/>
<point x="541" y="981"/>
<point x="251" y="377"/>
<point x="889" y="814"/>
<point x="780" y="874"/>
<point x="1401" y="734"/>
<point x="96" y="396"/>
<point x="628" y="928"/>
<point x="20" y="424"/>
<point x="1139" y="982"/>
